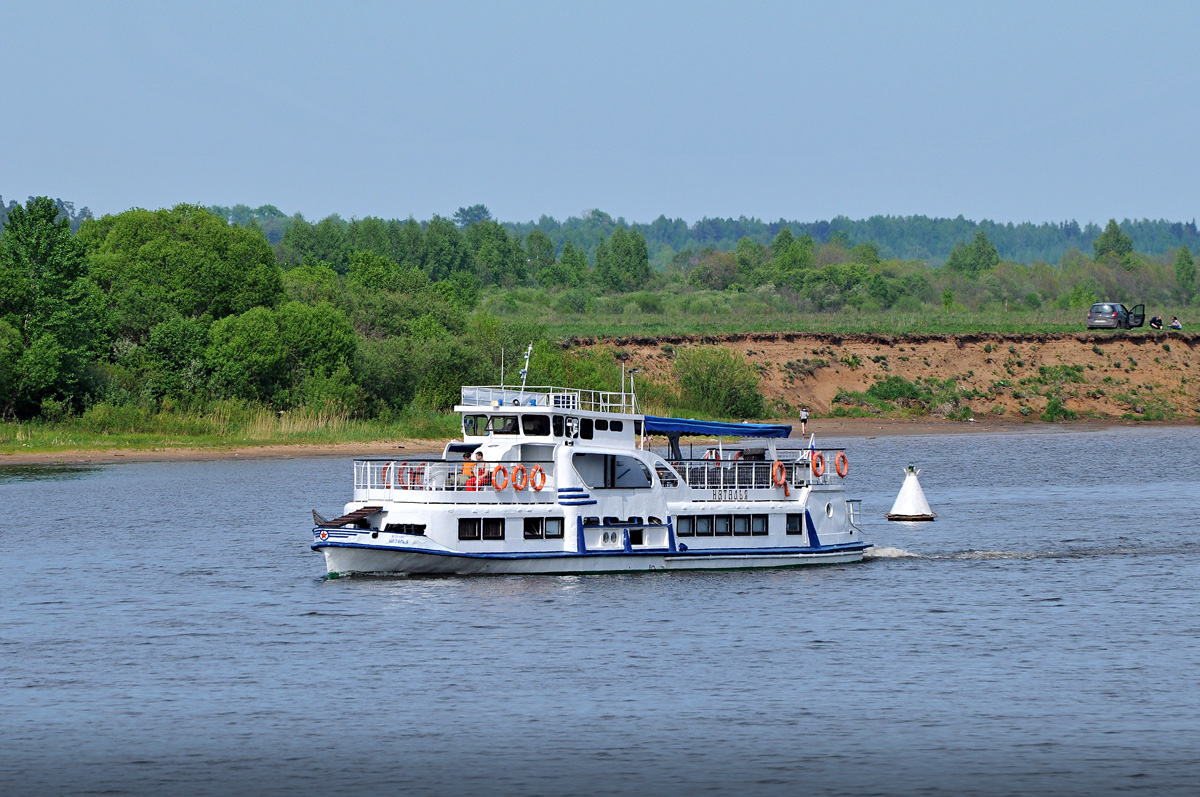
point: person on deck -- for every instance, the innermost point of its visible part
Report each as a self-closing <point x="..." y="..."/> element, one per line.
<point x="1175" y="323"/>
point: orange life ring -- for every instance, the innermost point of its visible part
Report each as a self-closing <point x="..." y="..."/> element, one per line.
<point x="522" y="481"/>
<point x="383" y="477"/>
<point x="737" y="456"/>
<point x="715" y="456"/>
<point x="500" y="477"/>
<point x="841" y="464"/>
<point x="818" y="464"/>
<point x="401" y="475"/>
<point x="779" y="474"/>
<point x="416" y="475"/>
<point x="537" y="478"/>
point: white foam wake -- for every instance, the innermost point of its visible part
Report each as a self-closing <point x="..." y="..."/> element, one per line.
<point x="889" y="553"/>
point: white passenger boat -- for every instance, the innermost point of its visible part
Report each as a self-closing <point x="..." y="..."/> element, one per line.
<point x="556" y="480"/>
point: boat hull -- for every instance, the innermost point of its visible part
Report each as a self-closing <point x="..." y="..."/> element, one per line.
<point x="344" y="559"/>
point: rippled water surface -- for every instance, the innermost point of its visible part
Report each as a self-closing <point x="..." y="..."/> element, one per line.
<point x="167" y="630"/>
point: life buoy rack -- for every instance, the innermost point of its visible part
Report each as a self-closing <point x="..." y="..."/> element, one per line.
<point x="818" y="464"/>
<point x="841" y="464"/>
<point x="500" y="477"/>
<point x="537" y="478"/>
<point x="519" y="482"/>
<point x="779" y="474"/>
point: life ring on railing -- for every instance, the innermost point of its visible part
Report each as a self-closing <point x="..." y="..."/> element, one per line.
<point x="383" y="477"/>
<point x="522" y="481"/>
<point x="737" y="456"/>
<point x="537" y="478"/>
<point x="500" y="477"/>
<point x="416" y="475"/>
<point x="818" y="464"/>
<point x="715" y="456"/>
<point x="401" y="476"/>
<point x="779" y="474"/>
<point x="841" y="464"/>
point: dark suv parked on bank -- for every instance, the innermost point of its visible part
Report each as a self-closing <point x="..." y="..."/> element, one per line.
<point x="1114" y="315"/>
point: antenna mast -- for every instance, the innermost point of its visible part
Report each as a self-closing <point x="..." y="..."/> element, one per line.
<point x="525" y="370"/>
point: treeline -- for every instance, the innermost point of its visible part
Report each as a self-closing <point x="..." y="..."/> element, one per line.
<point x="900" y="237"/>
<point x="180" y="310"/>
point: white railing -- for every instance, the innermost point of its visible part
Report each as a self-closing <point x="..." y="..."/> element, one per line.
<point x="419" y="479"/>
<point x="794" y="468"/>
<point x="561" y="398"/>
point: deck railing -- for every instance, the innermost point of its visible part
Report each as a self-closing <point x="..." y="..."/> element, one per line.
<point x="414" y="479"/>
<point x="560" y="398"/>
<point x="794" y="469"/>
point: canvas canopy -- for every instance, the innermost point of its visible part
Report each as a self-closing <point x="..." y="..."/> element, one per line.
<point x="681" y="426"/>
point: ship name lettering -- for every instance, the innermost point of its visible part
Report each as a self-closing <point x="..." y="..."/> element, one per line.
<point x="730" y="495"/>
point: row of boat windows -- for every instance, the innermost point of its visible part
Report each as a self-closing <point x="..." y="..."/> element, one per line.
<point x="492" y="528"/>
<point x="539" y="425"/>
<point x="732" y="525"/>
<point x="405" y="528"/>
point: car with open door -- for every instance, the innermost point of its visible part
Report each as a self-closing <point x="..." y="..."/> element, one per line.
<point x="1114" y="315"/>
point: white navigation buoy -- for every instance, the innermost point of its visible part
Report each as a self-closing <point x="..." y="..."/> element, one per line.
<point x="910" y="503"/>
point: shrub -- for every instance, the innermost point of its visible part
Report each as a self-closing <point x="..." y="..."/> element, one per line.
<point x="719" y="382"/>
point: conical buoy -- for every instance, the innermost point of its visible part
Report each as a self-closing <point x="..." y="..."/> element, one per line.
<point x="910" y="503"/>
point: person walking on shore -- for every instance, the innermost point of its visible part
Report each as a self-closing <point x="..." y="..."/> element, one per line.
<point x="804" y="420"/>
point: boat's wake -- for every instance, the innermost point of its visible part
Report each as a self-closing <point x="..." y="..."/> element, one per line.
<point x="890" y="553"/>
<point x="973" y="555"/>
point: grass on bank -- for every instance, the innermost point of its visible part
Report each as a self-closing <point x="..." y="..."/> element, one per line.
<point x="227" y="425"/>
<point x="736" y="320"/>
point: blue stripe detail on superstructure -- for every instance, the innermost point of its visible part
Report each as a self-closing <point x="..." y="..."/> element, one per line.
<point x="577" y="503"/>
<point x="858" y="546"/>
<point x="813" y="540"/>
<point x="570" y="489"/>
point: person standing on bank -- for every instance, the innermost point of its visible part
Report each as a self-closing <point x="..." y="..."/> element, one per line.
<point x="804" y="420"/>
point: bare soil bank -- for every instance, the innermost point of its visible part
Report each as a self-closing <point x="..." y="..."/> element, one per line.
<point x="1004" y="377"/>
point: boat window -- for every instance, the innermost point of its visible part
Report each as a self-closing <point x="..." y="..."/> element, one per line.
<point x="554" y="528"/>
<point x="405" y="528"/>
<point x="601" y="425"/>
<point x="493" y="528"/>
<point x="612" y="521"/>
<point x="655" y="521"/>
<point x="685" y="526"/>
<point x="468" y="528"/>
<point x="704" y="526"/>
<point x="503" y="424"/>
<point x="636" y="536"/>
<point x="591" y="521"/>
<point x="723" y="525"/>
<point x="795" y="524"/>
<point x="533" y="528"/>
<point x="616" y="426"/>
<point x="536" y="425"/>
<point x="637" y="428"/>
<point x="666" y="476"/>
<point x="741" y="525"/>
<point x="557" y="422"/>
<point x="758" y="525"/>
<point x="475" y="424"/>
<point x="585" y="428"/>
<point x="612" y="471"/>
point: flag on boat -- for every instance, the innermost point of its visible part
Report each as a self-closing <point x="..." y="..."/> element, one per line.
<point x="812" y="446"/>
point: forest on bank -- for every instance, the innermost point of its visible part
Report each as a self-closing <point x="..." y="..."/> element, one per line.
<point x="194" y="311"/>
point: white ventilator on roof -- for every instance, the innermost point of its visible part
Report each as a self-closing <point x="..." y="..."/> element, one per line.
<point x="910" y="503"/>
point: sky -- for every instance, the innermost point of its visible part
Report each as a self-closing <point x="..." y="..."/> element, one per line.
<point x="1042" y="111"/>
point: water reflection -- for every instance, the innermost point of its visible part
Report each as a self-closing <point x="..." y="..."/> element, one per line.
<point x="12" y="474"/>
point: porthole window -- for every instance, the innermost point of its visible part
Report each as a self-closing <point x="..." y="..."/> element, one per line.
<point x="829" y="510"/>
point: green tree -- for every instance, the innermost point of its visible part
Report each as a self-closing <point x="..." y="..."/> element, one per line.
<point x="444" y="250"/>
<point x="1185" y="273"/>
<point x="465" y="217"/>
<point x="1112" y="240"/>
<point x="975" y="258"/>
<point x="247" y="356"/>
<point x="540" y="249"/>
<point x="48" y="301"/>
<point x="152" y="265"/>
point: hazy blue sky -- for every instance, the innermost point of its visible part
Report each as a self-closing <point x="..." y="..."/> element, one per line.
<point x="1011" y="111"/>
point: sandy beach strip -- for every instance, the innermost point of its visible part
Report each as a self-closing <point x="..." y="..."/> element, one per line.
<point x="829" y="431"/>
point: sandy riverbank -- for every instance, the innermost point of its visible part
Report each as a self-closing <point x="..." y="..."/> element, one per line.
<point x="829" y="432"/>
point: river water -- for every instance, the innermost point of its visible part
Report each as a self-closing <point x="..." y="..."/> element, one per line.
<point x="166" y="629"/>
